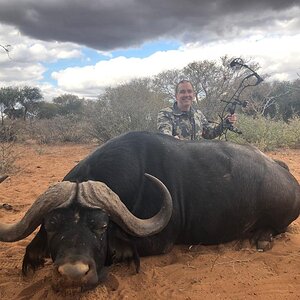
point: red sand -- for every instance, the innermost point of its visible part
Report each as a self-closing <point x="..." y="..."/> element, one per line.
<point x="228" y="271"/>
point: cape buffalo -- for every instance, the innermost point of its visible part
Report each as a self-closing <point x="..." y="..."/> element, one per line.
<point x="205" y="192"/>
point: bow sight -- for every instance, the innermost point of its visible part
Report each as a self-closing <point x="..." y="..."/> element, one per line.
<point x="231" y="104"/>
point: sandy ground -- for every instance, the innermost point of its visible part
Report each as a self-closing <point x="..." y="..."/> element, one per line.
<point x="228" y="271"/>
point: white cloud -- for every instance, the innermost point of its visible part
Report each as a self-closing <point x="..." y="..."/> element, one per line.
<point x="21" y="75"/>
<point x="27" y="56"/>
<point x="26" y="49"/>
<point x="276" y="55"/>
<point x="115" y="70"/>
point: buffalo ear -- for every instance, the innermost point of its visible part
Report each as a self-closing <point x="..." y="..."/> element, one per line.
<point x="121" y="247"/>
<point x="36" y="251"/>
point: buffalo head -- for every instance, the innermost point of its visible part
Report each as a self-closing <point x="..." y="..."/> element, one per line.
<point x="75" y="219"/>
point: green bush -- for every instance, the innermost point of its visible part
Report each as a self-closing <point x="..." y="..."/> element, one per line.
<point x="267" y="134"/>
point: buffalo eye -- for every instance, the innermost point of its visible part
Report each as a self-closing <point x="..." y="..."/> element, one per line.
<point x="54" y="220"/>
<point x="53" y="223"/>
<point x="97" y="227"/>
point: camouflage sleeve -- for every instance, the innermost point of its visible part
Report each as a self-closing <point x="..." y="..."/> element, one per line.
<point x="165" y="122"/>
<point x="210" y="132"/>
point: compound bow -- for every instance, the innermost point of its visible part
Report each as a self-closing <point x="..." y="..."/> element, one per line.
<point x="231" y="104"/>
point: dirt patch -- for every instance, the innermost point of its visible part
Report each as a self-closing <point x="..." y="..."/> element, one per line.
<point x="230" y="271"/>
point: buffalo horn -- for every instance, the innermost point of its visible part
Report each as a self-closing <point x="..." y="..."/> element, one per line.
<point x="3" y="177"/>
<point x="99" y="195"/>
<point x="60" y="194"/>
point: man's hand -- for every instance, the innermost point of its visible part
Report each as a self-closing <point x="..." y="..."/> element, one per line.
<point x="231" y="119"/>
<point x="229" y="123"/>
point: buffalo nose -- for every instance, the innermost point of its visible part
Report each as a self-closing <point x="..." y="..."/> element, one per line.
<point x="74" y="271"/>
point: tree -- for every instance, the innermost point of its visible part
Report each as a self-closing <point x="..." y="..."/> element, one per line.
<point x="212" y="82"/>
<point x="295" y="97"/>
<point x="127" y="107"/>
<point x="46" y="110"/>
<point x="276" y="100"/>
<point x="8" y="99"/>
<point x="28" y="99"/>
<point x="6" y="48"/>
<point x="69" y="104"/>
<point x="165" y="83"/>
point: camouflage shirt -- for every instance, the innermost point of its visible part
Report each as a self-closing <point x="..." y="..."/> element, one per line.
<point x="190" y="125"/>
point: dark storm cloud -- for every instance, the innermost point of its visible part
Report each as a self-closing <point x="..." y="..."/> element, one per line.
<point x="112" y="24"/>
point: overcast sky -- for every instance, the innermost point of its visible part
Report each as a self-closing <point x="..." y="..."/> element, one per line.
<point x="79" y="47"/>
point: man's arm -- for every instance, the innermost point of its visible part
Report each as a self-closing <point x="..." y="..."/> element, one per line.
<point x="165" y="122"/>
<point x="203" y="128"/>
<point x="211" y="132"/>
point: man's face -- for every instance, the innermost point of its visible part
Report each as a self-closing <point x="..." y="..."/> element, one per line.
<point x="185" y="96"/>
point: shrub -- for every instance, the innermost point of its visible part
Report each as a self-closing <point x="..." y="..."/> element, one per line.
<point x="8" y="136"/>
<point x="8" y="133"/>
<point x="267" y="134"/>
<point x="58" y="130"/>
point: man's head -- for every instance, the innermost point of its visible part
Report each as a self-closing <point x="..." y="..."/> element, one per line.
<point x="184" y="94"/>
